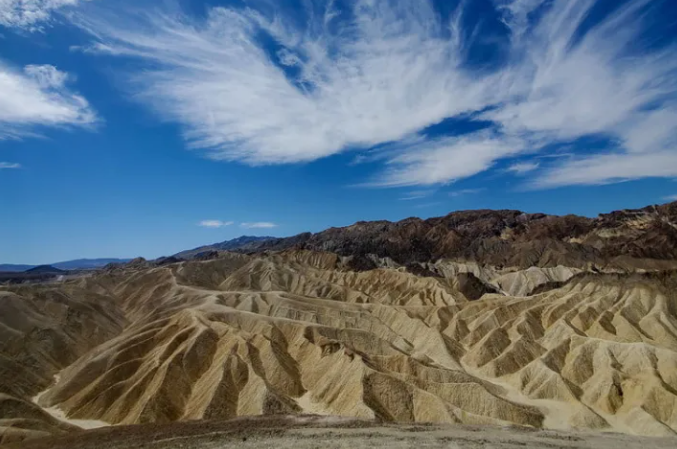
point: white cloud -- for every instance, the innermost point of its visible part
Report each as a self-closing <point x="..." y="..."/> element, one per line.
<point x="443" y="160"/>
<point x="383" y="76"/>
<point x="9" y="165"/>
<point x="609" y="168"/>
<point x="598" y="85"/>
<point x="567" y="91"/>
<point x="215" y="223"/>
<point x="38" y="97"/>
<point x="383" y="71"/>
<point x="463" y="192"/>
<point x="416" y="195"/>
<point x="259" y="225"/>
<point x="46" y="76"/>
<point x="522" y="168"/>
<point x="30" y="14"/>
<point x="670" y="198"/>
<point x="516" y="14"/>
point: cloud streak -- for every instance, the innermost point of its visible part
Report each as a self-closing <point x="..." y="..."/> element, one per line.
<point x="259" y="225"/>
<point x="38" y="97"/>
<point x="215" y="223"/>
<point x="380" y="72"/>
<point x="9" y="165"/>
<point x="610" y="168"/>
<point x="463" y="192"/>
<point x="521" y="168"/>
<point x="417" y="195"/>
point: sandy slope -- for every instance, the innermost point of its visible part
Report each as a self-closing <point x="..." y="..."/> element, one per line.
<point x="59" y="415"/>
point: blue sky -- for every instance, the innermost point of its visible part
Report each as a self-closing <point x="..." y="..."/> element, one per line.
<point x="142" y="128"/>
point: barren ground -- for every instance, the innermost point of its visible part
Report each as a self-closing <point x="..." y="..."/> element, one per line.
<point x="300" y="432"/>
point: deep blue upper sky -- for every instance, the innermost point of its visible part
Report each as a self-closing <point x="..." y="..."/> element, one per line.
<point x="142" y="128"/>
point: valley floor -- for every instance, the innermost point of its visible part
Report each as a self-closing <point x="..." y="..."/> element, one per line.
<point x="300" y="432"/>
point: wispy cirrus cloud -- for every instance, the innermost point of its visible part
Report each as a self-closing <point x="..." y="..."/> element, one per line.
<point x="30" y="14"/>
<point x="222" y="224"/>
<point x="463" y="192"/>
<point x="430" y="162"/>
<point x="215" y="223"/>
<point x="359" y="85"/>
<point x="670" y="197"/>
<point x="9" y="165"/>
<point x="416" y="195"/>
<point x="259" y="225"/>
<point x="610" y="168"/>
<point x="522" y="168"/>
<point x="38" y="97"/>
<point x="380" y="72"/>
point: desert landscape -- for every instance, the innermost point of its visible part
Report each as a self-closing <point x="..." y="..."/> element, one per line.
<point x="338" y="224"/>
<point x="535" y="326"/>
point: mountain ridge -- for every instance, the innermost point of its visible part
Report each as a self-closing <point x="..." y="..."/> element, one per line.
<point x="619" y="239"/>
<point x="242" y="243"/>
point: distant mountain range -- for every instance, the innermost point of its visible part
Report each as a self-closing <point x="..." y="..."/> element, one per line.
<point x="244" y="243"/>
<point x="45" y="269"/>
<point x="79" y="264"/>
<point x="13" y="268"/>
